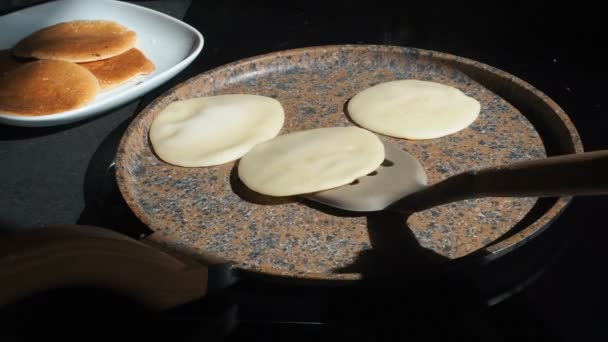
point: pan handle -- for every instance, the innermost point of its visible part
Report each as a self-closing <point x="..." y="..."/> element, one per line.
<point x="577" y="174"/>
<point x="76" y="255"/>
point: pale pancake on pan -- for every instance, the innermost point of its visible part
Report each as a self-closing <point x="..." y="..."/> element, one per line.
<point x="310" y="160"/>
<point x="77" y="41"/>
<point x="117" y="70"/>
<point x="413" y="109"/>
<point x="8" y="62"/>
<point x="46" y="87"/>
<point x="213" y="130"/>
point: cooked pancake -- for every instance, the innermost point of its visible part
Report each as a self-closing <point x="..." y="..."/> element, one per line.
<point x="8" y="62"/>
<point x="77" y="41"/>
<point x="117" y="70"/>
<point x="46" y="87"/>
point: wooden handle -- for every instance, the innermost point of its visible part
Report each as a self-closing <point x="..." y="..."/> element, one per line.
<point x="564" y="175"/>
<point x="68" y="256"/>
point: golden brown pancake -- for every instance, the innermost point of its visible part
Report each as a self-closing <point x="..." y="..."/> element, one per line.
<point x="117" y="70"/>
<point x="8" y="62"/>
<point x="77" y="41"/>
<point x="46" y="87"/>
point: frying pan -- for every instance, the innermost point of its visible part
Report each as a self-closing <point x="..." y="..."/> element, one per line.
<point x="207" y="214"/>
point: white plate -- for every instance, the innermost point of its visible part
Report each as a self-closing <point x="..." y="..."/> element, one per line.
<point x="171" y="44"/>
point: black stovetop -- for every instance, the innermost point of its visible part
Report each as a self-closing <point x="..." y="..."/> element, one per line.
<point x="550" y="289"/>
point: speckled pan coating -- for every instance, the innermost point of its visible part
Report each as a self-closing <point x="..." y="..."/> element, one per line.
<point x="207" y="212"/>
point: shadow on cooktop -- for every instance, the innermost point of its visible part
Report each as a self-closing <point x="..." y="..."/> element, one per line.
<point x="395" y="250"/>
<point x="104" y="205"/>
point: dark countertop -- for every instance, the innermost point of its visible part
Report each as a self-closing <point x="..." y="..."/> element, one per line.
<point x="51" y="175"/>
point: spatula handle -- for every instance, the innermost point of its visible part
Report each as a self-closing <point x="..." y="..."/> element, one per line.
<point x="564" y="175"/>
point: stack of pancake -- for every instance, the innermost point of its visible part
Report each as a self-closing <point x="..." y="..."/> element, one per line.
<point x="64" y="66"/>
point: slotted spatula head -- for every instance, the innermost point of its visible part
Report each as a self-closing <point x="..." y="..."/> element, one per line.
<point x="399" y="175"/>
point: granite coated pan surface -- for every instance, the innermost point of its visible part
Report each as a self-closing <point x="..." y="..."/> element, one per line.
<point x="208" y="213"/>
